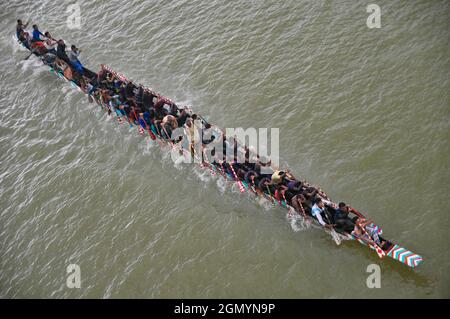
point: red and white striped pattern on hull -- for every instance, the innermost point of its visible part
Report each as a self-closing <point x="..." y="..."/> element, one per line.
<point x="397" y="252"/>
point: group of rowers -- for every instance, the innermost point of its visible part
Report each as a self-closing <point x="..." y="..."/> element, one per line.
<point x="160" y="116"/>
<point x="44" y="44"/>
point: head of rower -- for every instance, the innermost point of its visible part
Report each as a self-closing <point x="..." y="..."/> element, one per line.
<point x="320" y="203"/>
<point x="343" y="207"/>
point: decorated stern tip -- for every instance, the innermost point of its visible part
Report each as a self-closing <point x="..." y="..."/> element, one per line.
<point x="405" y="256"/>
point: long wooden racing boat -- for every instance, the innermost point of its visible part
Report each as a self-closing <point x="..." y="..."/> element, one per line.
<point x="389" y="249"/>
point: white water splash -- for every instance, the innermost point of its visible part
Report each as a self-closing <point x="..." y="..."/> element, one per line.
<point x="33" y="64"/>
<point x="298" y="223"/>
<point x="202" y="174"/>
<point x="222" y="185"/>
<point x="148" y="147"/>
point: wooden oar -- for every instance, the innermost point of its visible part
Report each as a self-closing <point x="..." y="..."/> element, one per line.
<point x="223" y="170"/>
<point x="32" y="52"/>
<point x="380" y="252"/>
<point x="28" y="56"/>
<point x="270" y="193"/>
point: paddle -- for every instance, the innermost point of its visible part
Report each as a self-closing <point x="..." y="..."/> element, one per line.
<point x="270" y="193"/>
<point x="373" y="245"/>
<point x="201" y="117"/>
<point x="32" y="52"/>
<point x="223" y="170"/>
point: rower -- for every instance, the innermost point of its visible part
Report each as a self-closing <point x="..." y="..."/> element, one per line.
<point x="61" y="51"/>
<point x="128" y="89"/>
<point x="207" y="136"/>
<point x="294" y="187"/>
<point x="38" y="48"/>
<point x="317" y="210"/>
<point x="24" y="38"/>
<point x="173" y="109"/>
<point x="37" y="34"/>
<point x="138" y="96"/>
<point x="250" y="177"/>
<point x="50" y="43"/>
<point x="147" y="101"/>
<point x="277" y="180"/>
<point x="300" y="205"/>
<point x="264" y="184"/>
<point x="277" y="177"/>
<point x="149" y="116"/>
<point x="342" y="220"/>
<point x="171" y="120"/>
<point x="159" y="108"/>
<point x="20" y="27"/>
<point x="367" y="231"/>
<point x="181" y="120"/>
<point x="73" y="57"/>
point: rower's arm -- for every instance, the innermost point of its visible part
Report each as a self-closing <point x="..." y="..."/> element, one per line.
<point x="319" y="218"/>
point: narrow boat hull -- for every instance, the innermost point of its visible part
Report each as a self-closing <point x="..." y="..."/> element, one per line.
<point x="393" y="251"/>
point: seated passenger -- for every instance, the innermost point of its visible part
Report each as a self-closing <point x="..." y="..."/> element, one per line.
<point x="101" y="78"/>
<point x="147" y="101"/>
<point x="64" y="68"/>
<point x="250" y="177"/>
<point x="50" y="43"/>
<point x="20" y="27"/>
<point x="138" y="96"/>
<point x="264" y="184"/>
<point x="181" y="120"/>
<point x="310" y="195"/>
<point x="38" y="48"/>
<point x="173" y="109"/>
<point x="299" y="203"/>
<point x="342" y="220"/>
<point x="37" y="34"/>
<point x="207" y="136"/>
<point x="294" y="187"/>
<point x="277" y="177"/>
<point x="171" y="120"/>
<point x="159" y="109"/>
<point x="73" y="57"/>
<point x="61" y="51"/>
<point x="118" y="87"/>
<point x="24" y="38"/>
<point x="367" y="231"/>
<point x="318" y="212"/>
<point x="128" y="89"/>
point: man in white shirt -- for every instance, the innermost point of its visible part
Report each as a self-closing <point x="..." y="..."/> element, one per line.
<point x="318" y="212"/>
<point x="50" y="43"/>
